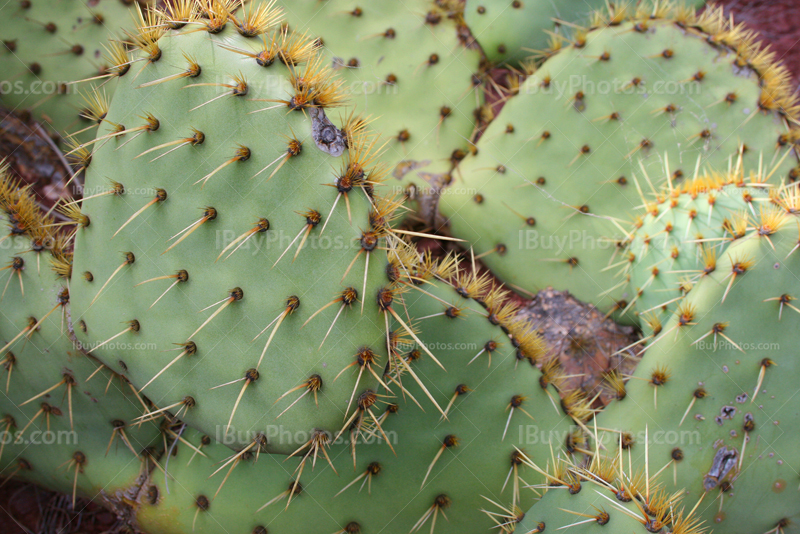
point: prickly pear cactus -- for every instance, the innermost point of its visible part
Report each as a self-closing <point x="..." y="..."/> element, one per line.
<point x="511" y="31"/>
<point x="605" y="493"/>
<point x="711" y="397"/>
<point x="413" y="68"/>
<point x="233" y="268"/>
<point x="677" y="238"/>
<point x="566" y="159"/>
<point x="67" y="423"/>
<point x="398" y="468"/>
<point x="49" y="45"/>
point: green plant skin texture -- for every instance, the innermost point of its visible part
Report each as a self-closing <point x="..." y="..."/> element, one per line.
<point x="764" y="475"/>
<point x="226" y="349"/>
<point x="509" y="32"/>
<point x="112" y="473"/>
<point x="553" y="512"/>
<point x="581" y="165"/>
<point x="478" y="466"/>
<point x="668" y="246"/>
<point x="415" y="102"/>
<point x="86" y="26"/>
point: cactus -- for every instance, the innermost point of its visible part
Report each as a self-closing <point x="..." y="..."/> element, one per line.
<point x="50" y="45"/>
<point x="270" y="288"/>
<point x="677" y="238"/>
<point x="588" y="498"/>
<point x="710" y="394"/>
<point x="67" y="423"/>
<point x="563" y="162"/>
<point x="510" y="31"/>
<point x="289" y="361"/>
<point x="434" y="470"/>
<point x="413" y="68"/>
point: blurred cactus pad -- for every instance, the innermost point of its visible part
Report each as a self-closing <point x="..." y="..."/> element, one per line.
<point x="297" y="289"/>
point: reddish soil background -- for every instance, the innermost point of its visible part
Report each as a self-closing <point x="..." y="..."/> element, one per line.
<point x="777" y="22"/>
<point x="25" y="509"/>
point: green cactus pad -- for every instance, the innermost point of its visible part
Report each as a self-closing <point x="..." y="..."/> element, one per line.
<point x="612" y="110"/>
<point x="433" y="467"/>
<point x="67" y="424"/>
<point x="48" y="45"/>
<point x="234" y="174"/>
<point x="512" y="31"/>
<point x="712" y="394"/>
<point x="677" y="238"/>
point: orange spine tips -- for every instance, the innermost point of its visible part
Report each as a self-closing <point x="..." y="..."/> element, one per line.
<point x="517" y="401"/>
<point x="197" y="138"/>
<point x="314" y="383"/>
<point x="257" y="19"/>
<point x="365" y="356"/>
<point x="685" y="313"/>
<point x="294" y="148"/>
<point x="385" y="298"/>
<point x="242" y="153"/>
<point x="346" y="182"/>
<point x="292" y="303"/>
<point x="262" y="225"/>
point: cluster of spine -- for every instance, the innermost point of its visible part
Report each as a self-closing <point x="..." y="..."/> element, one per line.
<point x="229" y="331"/>
<point x="681" y="231"/>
